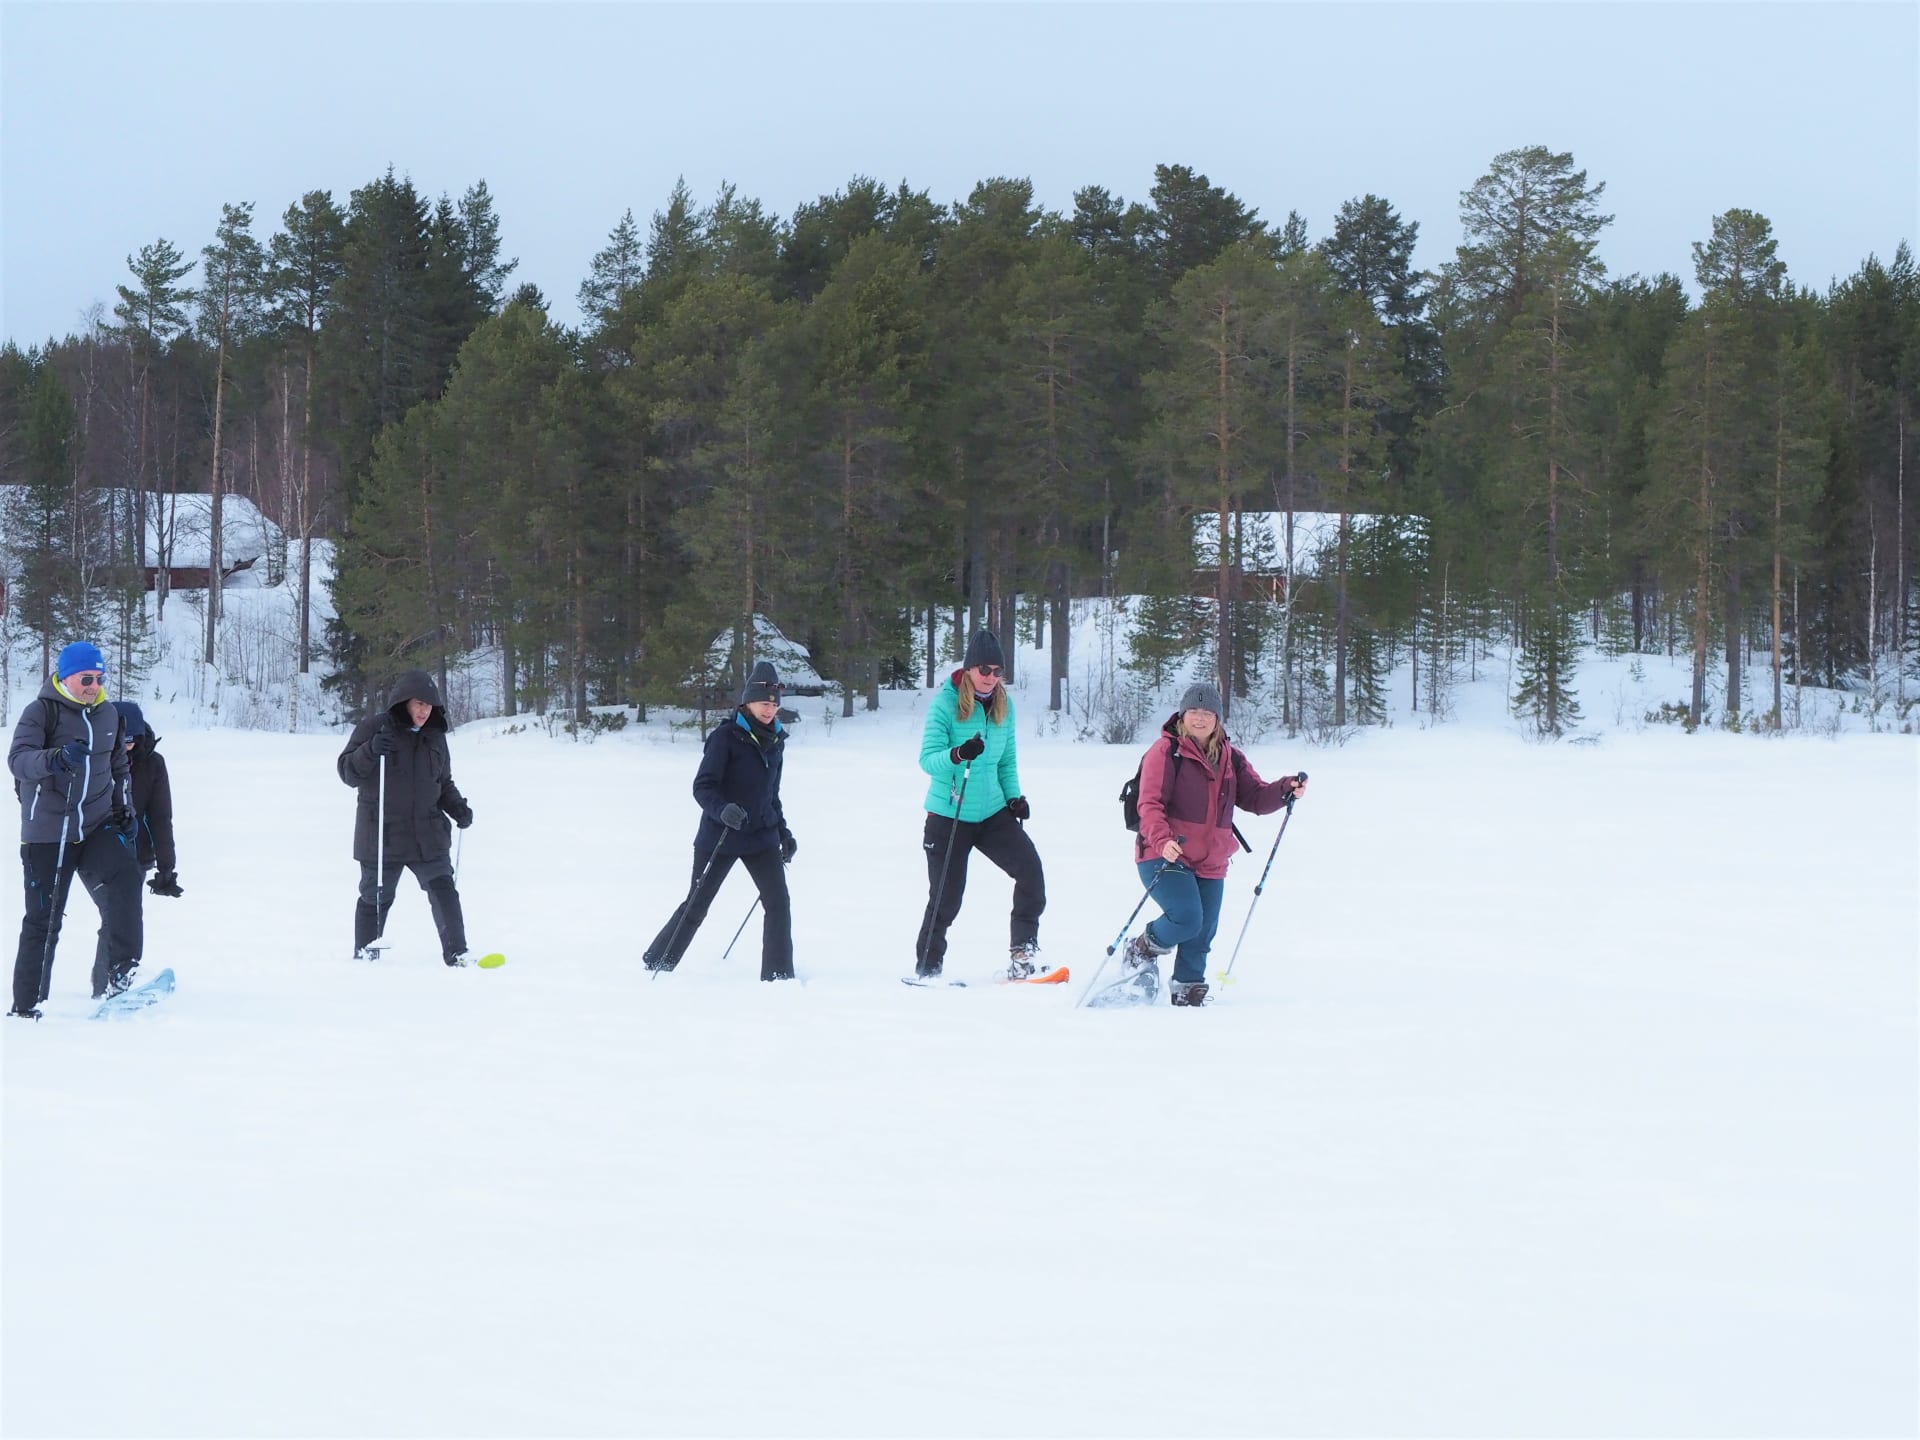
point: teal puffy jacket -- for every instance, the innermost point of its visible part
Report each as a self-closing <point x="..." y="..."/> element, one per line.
<point x="995" y="778"/>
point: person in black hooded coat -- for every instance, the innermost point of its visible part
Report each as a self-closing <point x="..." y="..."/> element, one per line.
<point x="409" y="739"/>
<point x="738" y="788"/>
<point x="152" y="801"/>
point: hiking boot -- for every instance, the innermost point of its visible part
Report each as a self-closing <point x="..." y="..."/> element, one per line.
<point x="1141" y="952"/>
<point x="121" y="980"/>
<point x="654" y="963"/>
<point x="1189" y="992"/>
<point x="1021" y="960"/>
<point x="457" y="959"/>
<point x="31" y="1012"/>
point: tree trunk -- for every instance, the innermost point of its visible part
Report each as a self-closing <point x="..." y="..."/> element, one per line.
<point x="213" y="493"/>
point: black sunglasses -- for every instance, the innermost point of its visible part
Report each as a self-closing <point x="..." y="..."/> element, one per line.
<point x="991" y="670"/>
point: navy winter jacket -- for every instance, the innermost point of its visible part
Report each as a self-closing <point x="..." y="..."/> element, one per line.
<point x="741" y="766"/>
<point x="152" y="803"/>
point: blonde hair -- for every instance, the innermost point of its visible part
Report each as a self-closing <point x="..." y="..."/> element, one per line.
<point x="996" y="707"/>
<point x="1215" y="743"/>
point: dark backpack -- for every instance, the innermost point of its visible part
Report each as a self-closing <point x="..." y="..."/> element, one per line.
<point x="1130" y="792"/>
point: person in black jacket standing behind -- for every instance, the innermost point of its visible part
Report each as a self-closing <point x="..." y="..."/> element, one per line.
<point x="152" y="803"/>
<point x="152" y="800"/>
<point x="408" y="739"/>
<point x="738" y="787"/>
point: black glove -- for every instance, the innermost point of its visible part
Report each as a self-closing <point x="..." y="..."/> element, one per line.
<point x="383" y="741"/>
<point x="463" y="817"/>
<point x="732" y="816"/>
<point x="965" y="751"/>
<point x="1019" y="809"/>
<point x="788" y="847"/>
<point x="124" y="825"/>
<point x="70" y="756"/>
<point x="165" y="882"/>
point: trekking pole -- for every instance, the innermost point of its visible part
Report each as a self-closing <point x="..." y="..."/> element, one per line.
<point x="374" y="947"/>
<point x="687" y="905"/>
<point x="459" y="844"/>
<point x="743" y="925"/>
<point x="940" y="890"/>
<point x="53" y="895"/>
<point x="1226" y="975"/>
<point x="1118" y="940"/>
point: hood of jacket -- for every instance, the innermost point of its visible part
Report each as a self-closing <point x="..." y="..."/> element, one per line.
<point x="416" y="685"/>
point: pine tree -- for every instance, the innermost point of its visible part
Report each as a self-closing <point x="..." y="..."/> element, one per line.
<point x="50" y="595"/>
<point x="864" y="334"/>
<point x="1214" y="405"/>
<point x="1365" y="386"/>
<point x="1696" y="442"/>
<point x="615" y="273"/>
<point x="1192" y="222"/>
<point x="1058" y="420"/>
<point x="375" y="349"/>
<point x="152" y="313"/>
<point x="1516" y="297"/>
<point x="232" y="291"/>
<point x="306" y="261"/>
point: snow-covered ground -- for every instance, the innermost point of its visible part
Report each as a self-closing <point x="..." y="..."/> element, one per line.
<point x="1562" y="1090"/>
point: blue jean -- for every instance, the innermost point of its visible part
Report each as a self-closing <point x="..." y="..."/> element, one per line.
<point x="1189" y="916"/>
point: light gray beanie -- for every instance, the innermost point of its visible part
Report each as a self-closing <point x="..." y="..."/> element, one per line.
<point x="1201" y="696"/>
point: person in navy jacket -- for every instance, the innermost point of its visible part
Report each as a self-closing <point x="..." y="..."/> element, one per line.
<point x="738" y="788"/>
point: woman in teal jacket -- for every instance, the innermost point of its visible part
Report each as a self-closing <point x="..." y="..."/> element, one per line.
<point x="974" y="803"/>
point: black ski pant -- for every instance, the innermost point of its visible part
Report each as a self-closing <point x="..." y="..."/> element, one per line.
<point x="1003" y="840"/>
<point x="109" y="870"/>
<point x="435" y="877"/>
<point x="102" y="950"/>
<point x="769" y="874"/>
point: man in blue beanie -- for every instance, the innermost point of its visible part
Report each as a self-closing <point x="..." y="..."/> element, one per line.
<point x="76" y="815"/>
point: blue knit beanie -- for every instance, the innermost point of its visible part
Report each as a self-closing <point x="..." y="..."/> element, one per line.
<point x="132" y="722"/>
<point x="78" y="657"/>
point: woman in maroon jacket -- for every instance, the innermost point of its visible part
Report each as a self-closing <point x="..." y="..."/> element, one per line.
<point x="1190" y="783"/>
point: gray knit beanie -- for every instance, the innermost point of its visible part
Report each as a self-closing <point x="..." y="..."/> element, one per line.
<point x="1201" y="696"/>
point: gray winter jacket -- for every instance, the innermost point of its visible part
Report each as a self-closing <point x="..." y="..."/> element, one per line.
<point x="55" y="805"/>
<point x="420" y="794"/>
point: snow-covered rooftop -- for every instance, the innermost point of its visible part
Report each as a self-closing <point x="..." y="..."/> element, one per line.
<point x="187" y="521"/>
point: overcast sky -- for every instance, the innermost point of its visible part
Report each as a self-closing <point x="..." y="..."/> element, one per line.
<point x="121" y="124"/>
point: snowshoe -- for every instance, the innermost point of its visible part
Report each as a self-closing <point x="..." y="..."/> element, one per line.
<point x="1142" y="987"/>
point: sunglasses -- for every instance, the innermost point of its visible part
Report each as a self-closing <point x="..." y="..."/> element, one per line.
<point x="93" y="679"/>
<point x="990" y="671"/>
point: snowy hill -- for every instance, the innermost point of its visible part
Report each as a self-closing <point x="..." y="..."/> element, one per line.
<point x="1562" y="1089"/>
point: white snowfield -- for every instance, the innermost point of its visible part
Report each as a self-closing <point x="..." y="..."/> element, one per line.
<point x="1563" y="1090"/>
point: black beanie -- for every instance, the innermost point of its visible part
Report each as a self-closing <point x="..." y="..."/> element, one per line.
<point x="984" y="649"/>
<point x="762" y="684"/>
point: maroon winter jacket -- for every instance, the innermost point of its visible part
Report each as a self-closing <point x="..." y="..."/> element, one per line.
<point x="1197" y="801"/>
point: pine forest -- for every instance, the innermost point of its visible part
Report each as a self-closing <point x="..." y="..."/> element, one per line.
<point x="886" y="419"/>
